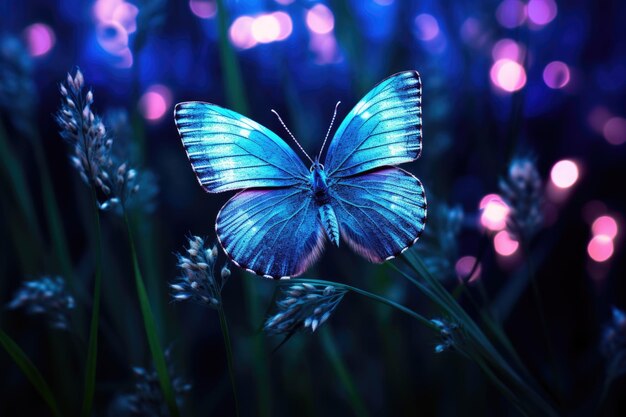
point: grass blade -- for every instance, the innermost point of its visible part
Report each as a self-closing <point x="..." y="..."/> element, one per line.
<point x="235" y="93"/>
<point x="30" y="371"/>
<point x="331" y="350"/>
<point x="53" y="217"/>
<point x="151" y="330"/>
<point x="92" y="346"/>
<point x="229" y="354"/>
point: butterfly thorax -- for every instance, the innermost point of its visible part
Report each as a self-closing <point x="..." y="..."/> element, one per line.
<point x="321" y="196"/>
<point x="319" y="186"/>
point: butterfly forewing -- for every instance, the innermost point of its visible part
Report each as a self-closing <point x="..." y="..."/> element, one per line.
<point x="228" y="151"/>
<point x="384" y="128"/>
<point x="273" y="232"/>
<point x="380" y="213"/>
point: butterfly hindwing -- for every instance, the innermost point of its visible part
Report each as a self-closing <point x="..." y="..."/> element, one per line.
<point x="228" y="151"/>
<point x="384" y="128"/>
<point x="271" y="232"/>
<point x="381" y="213"/>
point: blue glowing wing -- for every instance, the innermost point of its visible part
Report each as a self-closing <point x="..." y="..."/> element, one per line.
<point x="228" y="151"/>
<point x="272" y="232"/>
<point x="384" y="128"/>
<point x="380" y="213"/>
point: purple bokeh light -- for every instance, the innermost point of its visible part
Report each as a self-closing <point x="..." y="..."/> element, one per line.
<point x="427" y="27"/>
<point x="39" y="39"/>
<point x="556" y="74"/>
<point x="511" y="13"/>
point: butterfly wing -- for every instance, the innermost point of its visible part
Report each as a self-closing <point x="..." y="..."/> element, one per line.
<point x="384" y="128"/>
<point x="271" y="232"/>
<point x="380" y="213"/>
<point x="228" y="151"/>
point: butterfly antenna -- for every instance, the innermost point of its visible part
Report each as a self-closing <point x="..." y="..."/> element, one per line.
<point x="292" y="136"/>
<point x="329" y="127"/>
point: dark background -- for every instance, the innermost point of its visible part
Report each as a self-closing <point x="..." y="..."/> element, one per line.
<point x="472" y="129"/>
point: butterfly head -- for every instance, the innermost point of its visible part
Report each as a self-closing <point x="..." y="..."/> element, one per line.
<point x="317" y="166"/>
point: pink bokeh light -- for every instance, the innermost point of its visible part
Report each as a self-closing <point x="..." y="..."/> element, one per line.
<point x="125" y="58"/>
<point x="614" y="130"/>
<point x="112" y="37"/>
<point x="325" y="48"/>
<point x="126" y="15"/>
<point x="564" y="174"/>
<point x="427" y="27"/>
<point x="204" y="9"/>
<point x="103" y="9"/>
<point x="494" y="212"/>
<point x="605" y="226"/>
<point x="265" y="28"/>
<point x="508" y="75"/>
<point x="556" y="74"/>
<point x="504" y="244"/>
<point x="320" y="19"/>
<point x="541" y="12"/>
<point x="507" y="49"/>
<point x="240" y="32"/>
<point x="511" y="13"/>
<point x="155" y="102"/>
<point x="464" y="266"/>
<point x="600" y="248"/>
<point x="39" y="39"/>
<point x="285" y="24"/>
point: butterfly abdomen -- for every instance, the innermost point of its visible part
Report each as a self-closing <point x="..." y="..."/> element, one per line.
<point x="329" y="221"/>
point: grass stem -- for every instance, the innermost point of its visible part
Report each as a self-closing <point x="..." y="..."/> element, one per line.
<point x="229" y="354"/>
<point x="151" y="329"/>
<point x="92" y="345"/>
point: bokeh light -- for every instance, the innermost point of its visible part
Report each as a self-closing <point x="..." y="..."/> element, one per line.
<point x="564" y="174"/>
<point x="249" y="31"/>
<point x="605" y="226"/>
<point x="507" y="49"/>
<point x="103" y="9"/>
<point x="319" y="19"/>
<point x="240" y="32"/>
<point x="511" y="13"/>
<point x="600" y="248"/>
<point x="504" y="244"/>
<point x="204" y="9"/>
<point x="126" y="15"/>
<point x="464" y="266"/>
<point x="541" y="12"/>
<point x="325" y="48"/>
<point x="614" y="130"/>
<point x="508" y="75"/>
<point x="265" y="28"/>
<point x="494" y="212"/>
<point x="556" y="74"/>
<point x="112" y="37"/>
<point x="155" y="102"/>
<point x="39" y="39"/>
<point x="426" y="26"/>
<point x="285" y="24"/>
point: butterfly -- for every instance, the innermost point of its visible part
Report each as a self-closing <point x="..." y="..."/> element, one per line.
<point x="277" y="224"/>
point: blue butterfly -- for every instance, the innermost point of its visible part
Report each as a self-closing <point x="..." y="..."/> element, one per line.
<point x="276" y="226"/>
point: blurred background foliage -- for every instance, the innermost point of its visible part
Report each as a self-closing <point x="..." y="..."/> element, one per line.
<point x="539" y="81"/>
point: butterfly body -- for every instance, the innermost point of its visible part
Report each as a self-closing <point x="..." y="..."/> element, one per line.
<point x="276" y="226"/>
<point x="321" y="195"/>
